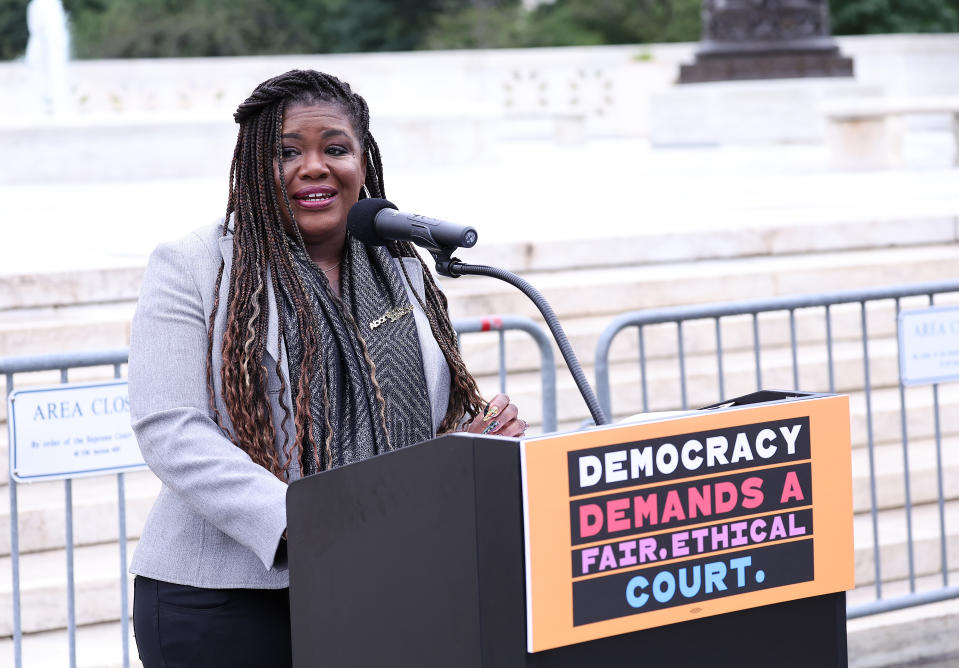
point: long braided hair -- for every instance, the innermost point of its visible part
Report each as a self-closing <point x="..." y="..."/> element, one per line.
<point x="261" y="255"/>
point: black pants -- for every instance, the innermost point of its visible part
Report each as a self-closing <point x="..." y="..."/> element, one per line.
<point x="181" y="626"/>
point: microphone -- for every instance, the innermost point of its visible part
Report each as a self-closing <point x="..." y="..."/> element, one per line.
<point x="375" y="221"/>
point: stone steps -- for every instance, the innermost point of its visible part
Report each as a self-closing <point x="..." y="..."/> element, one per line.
<point x="37" y="331"/>
<point x="889" y="467"/>
<point x="43" y="582"/>
<point x="71" y="288"/>
<point x="893" y="548"/>
<point x="865" y="592"/>
<point x="481" y="353"/>
<point x="642" y="248"/>
<point x="41" y="511"/>
<point x="926" y="635"/>
<point x="616" y="290"/>
<point x="77" y="327"/>
<point x="660" y="341"/>
<point x="646" y="245"/>
<point x="740" y="378"/>
<point x="98" y="646"/>
<point x="76" y="301"/>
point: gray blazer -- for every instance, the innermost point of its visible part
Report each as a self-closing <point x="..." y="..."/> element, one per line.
<point x="218" y="518"/>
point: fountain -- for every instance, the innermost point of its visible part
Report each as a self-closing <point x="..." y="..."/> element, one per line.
<point x="48" y="52"/>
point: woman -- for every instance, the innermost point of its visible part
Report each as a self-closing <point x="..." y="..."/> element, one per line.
<point x="256" y="358"/>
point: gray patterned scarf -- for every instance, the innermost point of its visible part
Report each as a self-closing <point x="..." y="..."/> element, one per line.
<point x="341" y="388"/>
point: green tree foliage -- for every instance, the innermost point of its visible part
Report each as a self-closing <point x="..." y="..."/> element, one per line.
<point x="481" y="25"/>
<point x="184" y="28"/>
<point x="374" y="25"/>
<point x="616" y="22"/>
<point x="164" y="28"/>
<point x="569" y="23"/>
<point x="862" y="17"/>
<point x="13" y="28"/>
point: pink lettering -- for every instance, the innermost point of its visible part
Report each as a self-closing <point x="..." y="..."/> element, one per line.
<point x="590" y="519"/>
<point x="673" y="509"/>
<point x="616" y="514"/>
<point x="726" y="496"/>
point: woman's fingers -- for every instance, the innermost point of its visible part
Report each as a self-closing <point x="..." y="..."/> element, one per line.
<point x="514" y="429"/>
<point x="495" y="406"/>
<point x="501" y="417"/>
<point x="496" y="424"/>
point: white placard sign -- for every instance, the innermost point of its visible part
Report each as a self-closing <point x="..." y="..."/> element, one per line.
<point x="71" y="430"/>
<point x="929" y="345"/>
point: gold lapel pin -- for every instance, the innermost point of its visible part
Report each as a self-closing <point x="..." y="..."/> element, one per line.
<point x="391" y="316"/>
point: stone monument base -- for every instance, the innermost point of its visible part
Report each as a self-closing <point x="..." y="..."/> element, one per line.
<point x="738" y="65"/>
<point x="749" y="112"/>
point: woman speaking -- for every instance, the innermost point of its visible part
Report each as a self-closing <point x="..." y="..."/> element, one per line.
<point x="255" y="359"/>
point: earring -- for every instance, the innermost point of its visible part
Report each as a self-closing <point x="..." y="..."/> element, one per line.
<point x="365" y="191"/>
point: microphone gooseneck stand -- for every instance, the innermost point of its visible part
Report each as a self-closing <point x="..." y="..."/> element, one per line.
<point x="454" y="268"/>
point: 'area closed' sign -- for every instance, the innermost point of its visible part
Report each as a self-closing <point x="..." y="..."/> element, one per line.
<point x="71" y="430"/>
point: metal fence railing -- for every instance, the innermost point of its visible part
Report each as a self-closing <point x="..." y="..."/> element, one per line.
<point x="547" y="364"/>
<point x="65" y="362"/>
<point x="816" y="315"/>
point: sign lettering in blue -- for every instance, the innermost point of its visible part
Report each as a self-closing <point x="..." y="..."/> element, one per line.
<point x="71" y="430"/>
<point x="929" y="345"/>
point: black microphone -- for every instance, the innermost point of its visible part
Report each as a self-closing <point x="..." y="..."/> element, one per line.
<point x="375" y="221"/>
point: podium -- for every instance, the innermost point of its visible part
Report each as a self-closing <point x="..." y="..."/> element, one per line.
<point x="418" y="558"/>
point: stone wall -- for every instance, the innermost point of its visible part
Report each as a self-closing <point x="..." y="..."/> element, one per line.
<point x="610" y="85"/>
<point x="442" y="107"/>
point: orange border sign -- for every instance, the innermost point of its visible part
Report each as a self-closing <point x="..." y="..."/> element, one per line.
<point x="636" y="526"/>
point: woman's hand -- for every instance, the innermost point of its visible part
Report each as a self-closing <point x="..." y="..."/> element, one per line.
<point x="501" y="418"/>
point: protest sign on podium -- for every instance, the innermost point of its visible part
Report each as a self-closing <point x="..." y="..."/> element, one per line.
<point x="723" y="536"/>
<point x="662" y="522"/>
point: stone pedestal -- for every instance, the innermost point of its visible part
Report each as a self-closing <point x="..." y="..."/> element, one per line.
<point x="778" y="64"/>
<point x="757" y="39"/>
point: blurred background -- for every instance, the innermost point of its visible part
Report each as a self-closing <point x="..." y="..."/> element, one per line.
<point x="631" y="158"/>
<point x="204" y="28"/>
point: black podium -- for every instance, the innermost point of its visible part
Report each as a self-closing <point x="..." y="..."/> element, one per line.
<point x="416" y="558"/>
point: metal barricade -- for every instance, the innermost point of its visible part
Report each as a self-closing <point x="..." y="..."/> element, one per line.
<point x="686" y="315"/>
<point x="64" y="362"/>
<point x="501" y="324"/>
